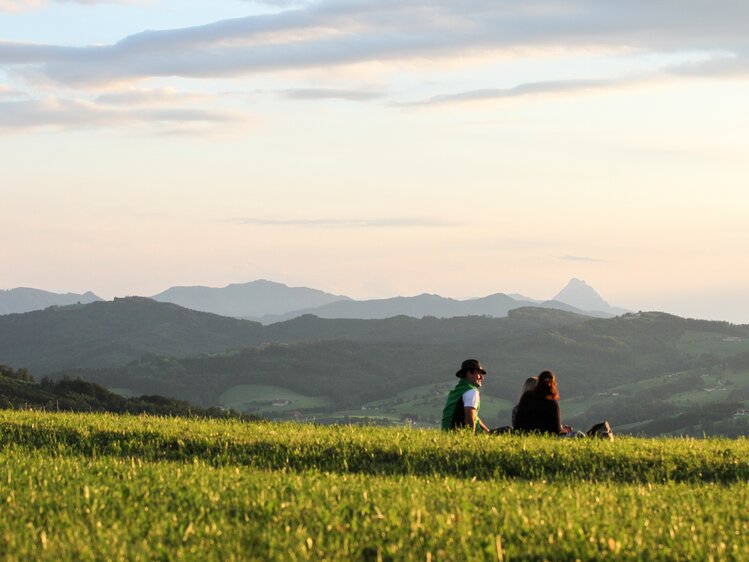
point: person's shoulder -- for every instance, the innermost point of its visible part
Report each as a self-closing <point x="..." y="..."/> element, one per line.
<point x="471" y="397"/>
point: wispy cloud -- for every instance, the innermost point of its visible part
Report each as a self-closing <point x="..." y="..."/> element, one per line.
<point x="528" y="89"/>
<point x="331" y="93"/>
<point x="60" y="113"/>
<point x="160" y="96"/>
<point x="6" y="93"/>
<point x="334" y="32"/>
<point x="20" y="5"/>
<point x="404" y="222"/>
<point x="581" y="258"/>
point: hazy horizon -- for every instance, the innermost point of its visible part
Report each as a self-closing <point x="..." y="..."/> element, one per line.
<point x="697" y="310"/>
<point x="379" y="148"/>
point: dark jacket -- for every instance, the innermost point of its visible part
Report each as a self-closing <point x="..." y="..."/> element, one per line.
<point x="536" y="413"/>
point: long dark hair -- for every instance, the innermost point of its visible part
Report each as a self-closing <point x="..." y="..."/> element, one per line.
<point x="547" y="386"/>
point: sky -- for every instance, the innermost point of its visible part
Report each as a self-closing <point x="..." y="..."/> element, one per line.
<point x="376" y="148"/>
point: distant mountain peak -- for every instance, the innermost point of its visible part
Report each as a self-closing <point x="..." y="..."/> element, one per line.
<point x="579" y="294"/>
<point x="258" y="282"/>
<point x="252" y="299"/>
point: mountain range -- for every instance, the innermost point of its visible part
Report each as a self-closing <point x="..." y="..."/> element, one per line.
<point x="24" y="299"/>
<point x="254" y="299"/>
<point x="420" y="306"/>
<point x="269" y="302"/>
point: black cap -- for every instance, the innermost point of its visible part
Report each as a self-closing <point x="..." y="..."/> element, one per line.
<point x="470" y="365"/>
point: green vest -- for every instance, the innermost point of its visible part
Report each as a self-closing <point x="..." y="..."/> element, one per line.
<point x="453" y="415"/>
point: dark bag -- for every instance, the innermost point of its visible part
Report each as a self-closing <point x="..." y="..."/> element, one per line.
<point x="602" y="431"/>
<point x="501" y="430"/>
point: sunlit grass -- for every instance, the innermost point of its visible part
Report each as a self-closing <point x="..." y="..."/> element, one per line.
<point x="95" y="487"/>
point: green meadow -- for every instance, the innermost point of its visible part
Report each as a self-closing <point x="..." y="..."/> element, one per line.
<point x="107" y="487"/>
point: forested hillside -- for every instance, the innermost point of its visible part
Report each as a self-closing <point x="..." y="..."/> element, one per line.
<point x="114" y="333"/>
<point x="19" y="391"/>
<point x="646" y="372"/>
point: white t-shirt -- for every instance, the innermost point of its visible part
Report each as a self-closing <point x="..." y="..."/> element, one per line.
<point x="471" y="398"/>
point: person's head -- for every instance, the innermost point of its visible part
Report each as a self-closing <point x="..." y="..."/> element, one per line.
<point x="472" y="371"/>
<point x="529" y="385"/>
<point x="547" y="386"/>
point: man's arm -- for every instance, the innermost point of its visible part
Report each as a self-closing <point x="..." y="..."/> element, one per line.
<point x="472" y="420"/>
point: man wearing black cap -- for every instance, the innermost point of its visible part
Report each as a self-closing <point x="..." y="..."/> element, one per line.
<point x="462" y="407"/>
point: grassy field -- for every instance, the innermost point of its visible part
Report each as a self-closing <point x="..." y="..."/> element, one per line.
<point x="95" y="487"/>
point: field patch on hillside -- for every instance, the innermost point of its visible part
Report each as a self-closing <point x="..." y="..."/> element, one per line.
<point x="705" y="401"/>
<point x="719" y="344"/>
<point x="124" y="392"/>
<point x="258" y="398"/>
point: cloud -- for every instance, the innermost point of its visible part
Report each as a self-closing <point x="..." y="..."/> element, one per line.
<point x="721" y="64"/>
<point x="581" y="258"/>
<point x="331" y="93"/>
<point x="708" y="64"/>
<point x="20" y="5"/>
<point x="527" y="89"/>
<point x="336" y="32"/>
<point x="137" y="96"/>
<point x="60" y="113"/>
<point x="6" y="93"/>
<point x="345" y="223"/>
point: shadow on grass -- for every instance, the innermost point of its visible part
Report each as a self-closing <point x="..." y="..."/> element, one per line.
<point x="604" y="463"/>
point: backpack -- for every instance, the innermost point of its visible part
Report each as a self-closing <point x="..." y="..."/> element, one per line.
<point x="602" y="431"/>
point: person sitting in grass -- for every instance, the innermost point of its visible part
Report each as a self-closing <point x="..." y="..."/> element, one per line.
<point x="462" y="406"/>
<point x="538" y="409"/>
<point x="528" y="386"/>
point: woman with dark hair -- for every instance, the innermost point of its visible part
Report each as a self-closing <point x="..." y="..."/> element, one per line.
<point x="538" y="409"/>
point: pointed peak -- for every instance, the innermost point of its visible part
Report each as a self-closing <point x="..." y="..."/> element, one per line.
<point x="579" y="294"/>
<point x="575" y="282"/>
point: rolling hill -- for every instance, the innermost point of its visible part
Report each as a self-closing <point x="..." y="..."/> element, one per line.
<point x="592" y="356"/>
<point x="18" y="390"/>
<point x="115" y="332"/>
<point x="643" y="371"/>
